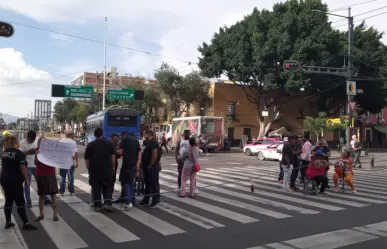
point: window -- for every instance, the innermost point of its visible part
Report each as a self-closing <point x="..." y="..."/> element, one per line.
<point x="231" y="109"/>
<point x="268" y="141"/>
<point x="300" y="113"/>
<point x="258" y="142"/>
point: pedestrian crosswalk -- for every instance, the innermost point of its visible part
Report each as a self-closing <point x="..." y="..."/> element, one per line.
<point x="225" y="199"/>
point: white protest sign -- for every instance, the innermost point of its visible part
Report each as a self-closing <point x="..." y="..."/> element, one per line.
<point x="57" y="154"/>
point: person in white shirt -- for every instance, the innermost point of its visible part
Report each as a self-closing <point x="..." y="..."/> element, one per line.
<point x="68" y="172"/>
<point x="182" y="144"/>
<point x="28" y="147"/>
<point x="305" y="156"/>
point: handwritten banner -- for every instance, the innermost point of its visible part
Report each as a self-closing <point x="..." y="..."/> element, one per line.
<point x="57" y="154"/>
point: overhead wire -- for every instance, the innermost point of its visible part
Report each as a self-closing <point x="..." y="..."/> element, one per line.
<point x="361" y="20"/>
<point x="50" y="78"/>
<point x="352" y="5"/>
<point x="97" y="41"/>
<point x="361" y="14"/>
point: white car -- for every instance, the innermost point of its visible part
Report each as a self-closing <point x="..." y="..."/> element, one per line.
<point x="271" y="153"/>
<point x="264" y="149"/>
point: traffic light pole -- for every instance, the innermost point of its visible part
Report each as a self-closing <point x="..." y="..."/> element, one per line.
<point x="344" y="72"/>
<point x="350" y="73"/>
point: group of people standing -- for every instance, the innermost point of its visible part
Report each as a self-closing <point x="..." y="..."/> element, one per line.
<point x="19" y="163"/>
<point x="102" y="156"/>
<point x="312" y="164"/>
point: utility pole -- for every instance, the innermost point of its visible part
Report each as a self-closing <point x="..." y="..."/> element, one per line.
<point x="346" y="72"/>
<point x="104" y="68"/>
<point x="350" y="73"/>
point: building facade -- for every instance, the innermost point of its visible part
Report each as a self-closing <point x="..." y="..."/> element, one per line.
<point x="229" y="100"/>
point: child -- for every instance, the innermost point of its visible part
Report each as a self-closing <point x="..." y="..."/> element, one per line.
<point x="343" y="169"/>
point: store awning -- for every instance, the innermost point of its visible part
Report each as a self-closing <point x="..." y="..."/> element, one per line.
<point x="381" y="128"/>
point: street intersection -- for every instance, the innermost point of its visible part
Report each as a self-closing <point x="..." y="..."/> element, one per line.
<point x="225" y="214"/>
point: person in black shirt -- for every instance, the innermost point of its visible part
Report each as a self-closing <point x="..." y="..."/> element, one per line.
<point x="131" y="153"/>
<point x="121" y="199"/>
<point x="151" y="167"/>
<point x="287" y="162"/>
<point x="296" y="164"/>
<point x="13" y="174"/>
<point x="100" y="158"/>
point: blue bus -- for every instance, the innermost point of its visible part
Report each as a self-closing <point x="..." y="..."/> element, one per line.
<point x="113" y="120"/>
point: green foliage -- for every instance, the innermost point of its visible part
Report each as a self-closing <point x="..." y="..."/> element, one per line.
<point x="335" y="127"/>
<point x="11" y="126"/>
<point x="182" y="90"/>
<point x="79" y="113"/>
<point x="317" y="124"/>
<point x="252" y="51"/>
<point x="62" y="109"/>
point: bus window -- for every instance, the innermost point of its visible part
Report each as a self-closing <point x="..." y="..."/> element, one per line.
<point x="115" y="120"/>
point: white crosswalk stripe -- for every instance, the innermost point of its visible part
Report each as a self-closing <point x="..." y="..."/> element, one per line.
<point x="225" y="198"/>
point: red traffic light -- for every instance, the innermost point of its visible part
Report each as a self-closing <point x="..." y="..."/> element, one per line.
<point x="291" y="65"/>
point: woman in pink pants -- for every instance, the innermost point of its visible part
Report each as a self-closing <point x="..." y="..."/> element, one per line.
<point x="190" y="156"/>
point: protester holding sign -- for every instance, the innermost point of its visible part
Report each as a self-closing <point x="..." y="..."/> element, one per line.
<point x="46" y="183"/>
<point x="69" y="173"/>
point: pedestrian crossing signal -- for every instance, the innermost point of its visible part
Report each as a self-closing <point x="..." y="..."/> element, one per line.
<point x="291" y="66"/>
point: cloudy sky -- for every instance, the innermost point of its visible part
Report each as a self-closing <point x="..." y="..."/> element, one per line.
<point x="33" y="59"/>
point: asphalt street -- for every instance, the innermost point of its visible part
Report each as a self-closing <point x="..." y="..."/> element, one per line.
<point x="225" y="214"/>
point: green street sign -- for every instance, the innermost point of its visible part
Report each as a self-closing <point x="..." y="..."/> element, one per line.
<point x="121" y="94"/>
<point x="85" y="92"/>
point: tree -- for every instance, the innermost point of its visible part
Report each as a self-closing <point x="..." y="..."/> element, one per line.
<point x="250" y="53"/>
<point x="315" y="125"/>
<point x="182" y="91"/>
<point x="62" y="110"/>
<point x="11" y="126"/>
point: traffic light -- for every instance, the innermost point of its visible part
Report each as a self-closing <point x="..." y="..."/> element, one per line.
<point x="346" y="120"/>
<point x="291" y="66"/>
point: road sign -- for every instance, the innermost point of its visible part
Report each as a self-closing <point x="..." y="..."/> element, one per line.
<point x="6" y="30"/>
<point x="291" y="66"/>
<point x="352" y="105"/>
<point x="85" y="92"/>
<point x="351" y="88"/>
<point x="121" y="94"/>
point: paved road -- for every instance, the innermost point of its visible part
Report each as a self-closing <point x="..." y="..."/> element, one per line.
<point x="225" y="214"/>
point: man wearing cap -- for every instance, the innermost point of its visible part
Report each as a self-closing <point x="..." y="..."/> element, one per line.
<point x="69" y="136"/>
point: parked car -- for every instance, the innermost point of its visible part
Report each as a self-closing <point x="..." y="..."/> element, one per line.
<point x="259" y="146"/>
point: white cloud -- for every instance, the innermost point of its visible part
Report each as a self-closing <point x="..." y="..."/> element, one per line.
<point x="20" y="83"/>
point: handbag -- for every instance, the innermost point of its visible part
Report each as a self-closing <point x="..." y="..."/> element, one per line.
<point x="196" y="166"/>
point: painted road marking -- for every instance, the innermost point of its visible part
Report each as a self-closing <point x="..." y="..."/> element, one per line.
<point x="143" y="217"/>
<point x="63" y="236"/>
<point x="10" y="238"/>
<point x="100" y="221"/>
